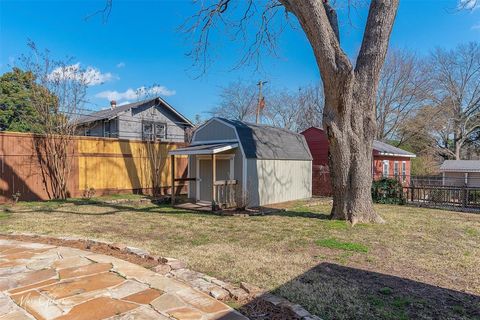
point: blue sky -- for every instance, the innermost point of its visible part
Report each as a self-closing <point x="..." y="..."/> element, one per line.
<point x="140" y="45"/>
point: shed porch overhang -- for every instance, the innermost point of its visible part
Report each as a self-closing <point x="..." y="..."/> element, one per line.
<point x="204" y="149"/>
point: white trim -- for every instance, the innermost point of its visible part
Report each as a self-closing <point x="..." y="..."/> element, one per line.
<point x="387" y="163"/>
<point x="183" y="151"/>
<point x="212" y="142"/>
<point x="460" y="170"/>
<point x="197" y="189"/>
<point x="188" y="176"/>
<point x="395" y="155"/>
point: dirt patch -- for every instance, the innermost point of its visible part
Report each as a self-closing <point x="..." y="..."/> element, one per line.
<point x="96" y="247"/>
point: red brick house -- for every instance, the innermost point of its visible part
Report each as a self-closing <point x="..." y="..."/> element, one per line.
<point x="388" y="161"/>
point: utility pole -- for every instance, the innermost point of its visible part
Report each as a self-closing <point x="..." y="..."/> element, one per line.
<point x="261" y="102"/>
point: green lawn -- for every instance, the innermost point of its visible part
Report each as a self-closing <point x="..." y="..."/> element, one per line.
<point x="421" y="264"/>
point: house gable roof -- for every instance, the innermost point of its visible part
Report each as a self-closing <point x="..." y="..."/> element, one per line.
<point x="269" y="143"/>
<point x="380" y="147"/>
<point x="460" y="166"/>
<point x="109" y="113"/>
<point x="389" y="150"/>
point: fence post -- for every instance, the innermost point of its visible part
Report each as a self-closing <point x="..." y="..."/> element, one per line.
<point x="464" y="197"/>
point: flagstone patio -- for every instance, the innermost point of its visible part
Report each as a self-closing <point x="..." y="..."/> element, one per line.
<point x="40" y="281"/>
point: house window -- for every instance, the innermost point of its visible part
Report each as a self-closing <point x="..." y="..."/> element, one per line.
<point x="154" y="130"/>
<point x="160" y="130"/>
<point x="386" y="168"/>
<point x="395" y="169"/>
<point x="404" y="170"/>
<point x="106" y="128"/>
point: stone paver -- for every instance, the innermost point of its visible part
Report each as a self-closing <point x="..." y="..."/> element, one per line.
<point x="43" y="282"/>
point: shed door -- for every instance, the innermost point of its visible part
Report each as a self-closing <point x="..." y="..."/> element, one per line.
<point x="205" y="175"/>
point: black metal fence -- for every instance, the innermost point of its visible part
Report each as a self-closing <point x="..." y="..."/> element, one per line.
<point x="437" y="192"/>
<point x="454" y="198"/>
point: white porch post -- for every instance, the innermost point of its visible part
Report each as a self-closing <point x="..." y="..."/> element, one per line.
<point x="214" y="178"/>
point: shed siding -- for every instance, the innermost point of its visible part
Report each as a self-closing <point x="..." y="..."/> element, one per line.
<point x="215" y="130"/>
<point x="457" y="179"/>
<point x="274" y="181"/>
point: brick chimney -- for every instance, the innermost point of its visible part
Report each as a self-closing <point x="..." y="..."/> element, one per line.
<point x="113" y="104"/>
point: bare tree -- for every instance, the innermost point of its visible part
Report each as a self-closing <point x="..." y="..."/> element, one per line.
<point x="58" y="92"/>
<point x="296" y="110"/>
<point x="456" y="79"/>
<point x="238" y="101"/>
<point x="311" y="102"/>
<point x="403" y="88"/>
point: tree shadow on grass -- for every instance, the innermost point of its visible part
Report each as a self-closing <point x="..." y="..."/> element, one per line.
<point x="332" y="291"/>
<point x="62" y="206"/>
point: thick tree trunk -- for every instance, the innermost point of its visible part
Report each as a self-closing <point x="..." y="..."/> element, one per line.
<point x="350" y="156"/>
<point x="349" y="112"/>
<point x="458" y="147"/>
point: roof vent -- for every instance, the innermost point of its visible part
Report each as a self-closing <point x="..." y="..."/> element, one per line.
<point x="113" y="104"/>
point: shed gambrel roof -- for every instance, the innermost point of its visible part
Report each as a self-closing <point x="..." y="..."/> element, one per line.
<point x="460" y="166"/>
<point x="269" y="143"/>
<point x="109" y="113"/>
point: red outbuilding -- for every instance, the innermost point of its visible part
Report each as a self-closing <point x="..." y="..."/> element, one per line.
<point x="388" y="161"/>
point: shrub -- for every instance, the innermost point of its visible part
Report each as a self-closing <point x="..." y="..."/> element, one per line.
<point x="89" y="193"/>
<point x="388" y="191"/>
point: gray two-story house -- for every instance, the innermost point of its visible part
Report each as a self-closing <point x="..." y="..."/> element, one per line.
<point x="152" y="119"/>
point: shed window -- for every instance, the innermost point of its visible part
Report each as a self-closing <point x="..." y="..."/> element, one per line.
<point x="404" y="170"/>
<point x="395" y="169"/>
<point x="385" y="168"/>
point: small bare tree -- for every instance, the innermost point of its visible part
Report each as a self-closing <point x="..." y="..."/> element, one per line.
<point x="456" y="83"/>
<point x="58" y="92"/>
<point x="238" y="101"/>
<point x="403" y="88"/>
<point x="296" y="110"/>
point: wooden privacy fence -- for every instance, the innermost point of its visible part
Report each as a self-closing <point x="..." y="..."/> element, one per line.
<point x="105" y="165"/>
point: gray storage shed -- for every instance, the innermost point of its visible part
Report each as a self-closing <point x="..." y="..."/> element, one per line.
<point x="461" y="173"/>
<point x="234" y="163"/>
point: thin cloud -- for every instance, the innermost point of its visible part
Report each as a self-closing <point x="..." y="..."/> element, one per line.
<point x="120" y="64"/>
<point x="90" y="76"/>
<point x="135" y="94"/>
<point x="476" y="26"/>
